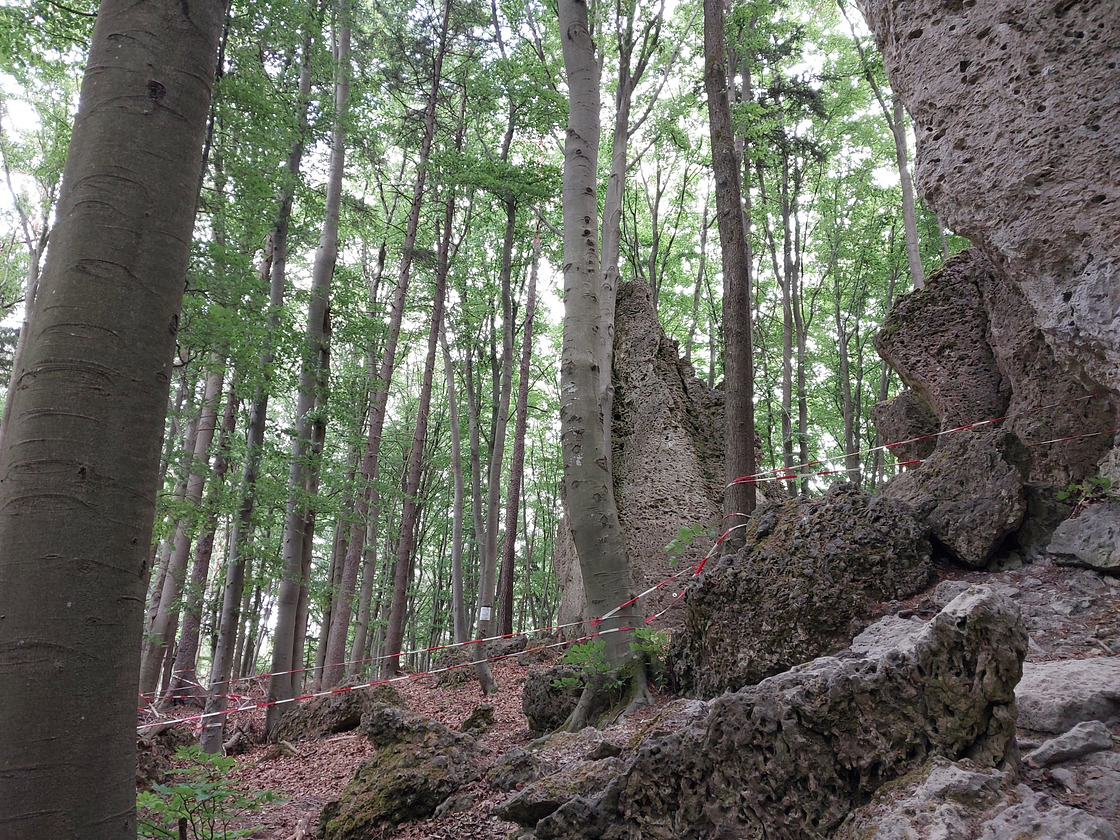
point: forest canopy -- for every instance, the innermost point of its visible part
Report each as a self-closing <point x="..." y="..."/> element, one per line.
<point x="361" y="459"/>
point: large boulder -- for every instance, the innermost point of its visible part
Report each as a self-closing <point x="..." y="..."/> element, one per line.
<point x="808" y="570"/>
<point x="340" y="712"/>
<point x="907" y="425"/>
<point x="936" y="339"/>
<point x="418" y="766"/>
<point x="969" y="348"/>
<point x="946" y="799"/>
<point x="1056" y="696"/>
<point x="971" y="490"/>
<point x="790" y="757"/>
<point x="1092" y="539"/>
<point x="1016" y="113"/>
<point x="667" y="451"/>
<point x="549" y="696"/>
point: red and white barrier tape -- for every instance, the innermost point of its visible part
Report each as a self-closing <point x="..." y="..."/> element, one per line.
<point x="796" y="472"/>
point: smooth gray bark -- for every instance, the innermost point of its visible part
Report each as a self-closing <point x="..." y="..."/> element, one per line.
<point x="82" y="447"/>
<point x="592" y="511"/>
<point x="287" y="642"/>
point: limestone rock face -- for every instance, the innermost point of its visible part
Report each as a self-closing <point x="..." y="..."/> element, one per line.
<point x="667" y="451"/>
<point x="807" y="571"/>
<point x="419" y="765"/>
<point x="1056" y="696"/>
<point x="969" y="347"/>
<point x="788" y="758"/>
<point x="1092" y="539"/>
<point x="546" y="706"/>
<point x="935" y="338"/>
<point x="332" y="713"/>
<point x="1084" y="739"/>
<point x="971" y="491"/>
<point x="1016" y="112"/>
<point x="667" y="438"/>
<point x="903" y="418"/>
<point x="946" y="799"/>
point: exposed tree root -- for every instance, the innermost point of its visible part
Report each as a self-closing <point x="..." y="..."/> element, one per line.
<point x="609" y="698"/>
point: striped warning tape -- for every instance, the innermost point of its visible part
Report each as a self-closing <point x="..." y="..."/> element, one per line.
<point x="799" y="471"/>
<point x="202" y="717"/>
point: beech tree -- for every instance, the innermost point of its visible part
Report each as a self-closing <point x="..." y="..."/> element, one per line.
<point x="593" y="513"/>
<point x="739" y="459"/>
<point x="82" y="448"/>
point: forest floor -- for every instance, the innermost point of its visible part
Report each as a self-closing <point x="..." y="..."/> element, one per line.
<point x="1071" y="614"/>
<point x="320" y="769"/>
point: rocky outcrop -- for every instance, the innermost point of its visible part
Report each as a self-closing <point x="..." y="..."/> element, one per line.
<point x="419" y="765"/>
<point x="790" y="757"/>
<point x="1016" y="112"/>
<point x="549" y="697"/>
<point x="667" y="439"/>
<point x="1084" y="739"/>
<point x="907" y="425"/>
<point x="971" y="491"/>
<point x="332" y="713"/>
<point x="969" y="348"/>
<point x="155" y="751"/>
<point x="936" y="339"/>
<point x="808" y="571"/>
<point x="946" y="799"/>
<point x="1056" y="696"/>
<point x="1092" y="539"/>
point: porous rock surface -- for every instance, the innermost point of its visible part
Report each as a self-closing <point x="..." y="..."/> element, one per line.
<point x="549" y="697"/>
<point x="788" y="758"/>
<point x="807" y="571"/>
<point x="419" y="765"/>
<point x="971" y="491"/>
<point x="947" y="800"/>
<point x="1087" y="737"/>
<point x="969" y="348"/>
<point x="907" y="424"/>
<point x="1091" y="540"/>
<point x="667" y="450"/>
<point x="332" y="713"/>
<point x="1055" y="696"/>
<point x="1016" y="113"/>
<point x="935" y="338"/>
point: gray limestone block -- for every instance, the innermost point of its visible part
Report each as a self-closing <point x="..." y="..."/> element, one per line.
<point x="1056" y="696"/>
<point x="1092" y="539"/>
<point x="1087" y="737"/>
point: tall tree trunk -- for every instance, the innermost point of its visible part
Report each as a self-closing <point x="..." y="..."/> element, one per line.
<point x="592" y="511"/>
<point x="698" y="291"/>
<point x="82" y="447"/>
<point x="312" y="387"/>
<point x="738" y="353"/>
<point x="369" y="503"/>
<point x="488" y="566"/>
<point x="161" y="635"/>
<point x="896" y="122"/>
<point x="162" y="555"/>
<point x="517" y="460"/>
<point x="458" y="605"/>
<point x="395" y="630"/>
<point x="631" y="68"/>
<point x="185" y="675"/>
<point x="227" y="659"/>
<point x="346" y="531"/>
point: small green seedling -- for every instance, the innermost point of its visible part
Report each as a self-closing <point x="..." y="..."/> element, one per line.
<point x="202" y="804"/>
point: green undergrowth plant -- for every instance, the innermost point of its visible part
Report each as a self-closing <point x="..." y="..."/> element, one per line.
<point x="202" y="803"/>
<point x="1096" y="488"/>
<point x="686" y="537"/>
<point x="654" y="646"/>
<point x="591" y="659"/>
